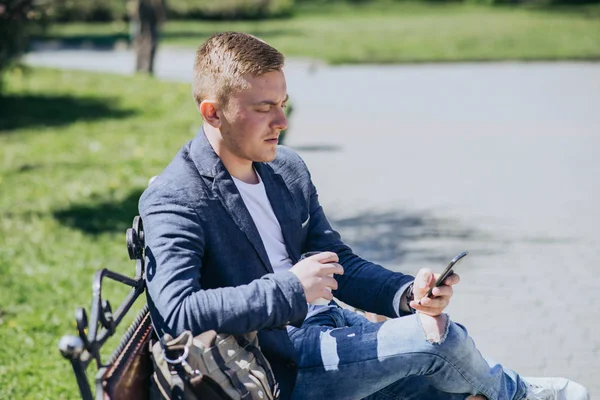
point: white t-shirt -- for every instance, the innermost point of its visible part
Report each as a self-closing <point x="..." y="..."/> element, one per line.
<point x="258" y="204"/>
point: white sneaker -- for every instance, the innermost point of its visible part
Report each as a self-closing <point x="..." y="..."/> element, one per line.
<point x="554" y="389"/>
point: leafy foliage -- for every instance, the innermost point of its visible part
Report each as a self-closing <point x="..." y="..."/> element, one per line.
<point x="230" y="9"/>
<point x="18" y="18"/>
<point x="88" y="10"/>
<point x="116" y="10"/>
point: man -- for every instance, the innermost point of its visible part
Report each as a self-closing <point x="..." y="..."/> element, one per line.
<point x="226" y="224"/>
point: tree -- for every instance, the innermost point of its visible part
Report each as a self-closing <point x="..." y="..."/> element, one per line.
<point x="18" y="18"/>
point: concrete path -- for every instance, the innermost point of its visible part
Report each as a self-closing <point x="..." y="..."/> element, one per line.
<point x="416" y="163"/>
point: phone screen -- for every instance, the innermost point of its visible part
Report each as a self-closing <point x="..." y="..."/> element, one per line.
<point x="447" y="272"/>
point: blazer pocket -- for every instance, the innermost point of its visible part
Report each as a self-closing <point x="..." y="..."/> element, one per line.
<point x="305" y="223"/>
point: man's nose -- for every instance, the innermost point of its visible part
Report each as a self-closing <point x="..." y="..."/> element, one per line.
<point x="280" y="121"/>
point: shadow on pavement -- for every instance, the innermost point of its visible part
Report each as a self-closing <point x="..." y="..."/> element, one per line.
<point x="31" y="111"/>
<point x="385" y="237"/>
<point x="318" y="147"/>
<point x="104" y="217"/>
<point x="388" y="237"/>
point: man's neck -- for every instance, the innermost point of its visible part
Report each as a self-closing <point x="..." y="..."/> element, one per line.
<point x="237" y="167"/>
<point x="245" y="175"/>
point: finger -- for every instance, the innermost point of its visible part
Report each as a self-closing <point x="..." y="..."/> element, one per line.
<point x="443" y="291"/>
<point x="426" y="310"/>
<point x="433" y="306"/>
<point x="330" y="282"/>
<point x="437" y="302"/>
<point x="422" y="280"/>
<point x="452" y="279"/>
<point x="326" y="294"/>
<point x="431" y="280"/>
<point x="331" y="268"/>
<point x="326" y="257"/>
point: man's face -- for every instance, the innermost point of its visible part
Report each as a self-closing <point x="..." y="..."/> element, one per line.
<point x="253" y="118"/>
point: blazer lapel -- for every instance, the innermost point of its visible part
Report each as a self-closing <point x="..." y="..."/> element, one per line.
<point x="209" y="165"/>
<point x="284" y="208"/>
<point x="233" y="202"/>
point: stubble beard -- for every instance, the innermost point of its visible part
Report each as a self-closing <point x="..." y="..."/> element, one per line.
<point x="260" y="155"/>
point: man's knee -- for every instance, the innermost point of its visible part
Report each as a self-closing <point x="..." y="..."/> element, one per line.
<point x="436" y="328"/>
<point x="441" y="336"/>
<point x="448" y="339"/>
<point x="419" y="334"/>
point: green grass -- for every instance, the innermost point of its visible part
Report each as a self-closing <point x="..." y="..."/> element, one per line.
<point x="76" y="151"/>
<point x="396" y="32"/>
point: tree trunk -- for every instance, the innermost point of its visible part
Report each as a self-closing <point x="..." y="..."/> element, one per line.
<point x="146" y="18"/>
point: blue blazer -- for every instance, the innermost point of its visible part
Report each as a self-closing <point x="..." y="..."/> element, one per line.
<point x="207" y="267"/>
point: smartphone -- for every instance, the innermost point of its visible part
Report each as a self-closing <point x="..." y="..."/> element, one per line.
<point x="447" y="272"/>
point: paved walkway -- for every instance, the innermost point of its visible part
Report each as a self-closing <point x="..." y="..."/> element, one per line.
<point x="416" y="163"/>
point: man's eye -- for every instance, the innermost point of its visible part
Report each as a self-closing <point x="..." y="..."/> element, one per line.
<point x="263" y="110"/>
<point x="284" y="105"/>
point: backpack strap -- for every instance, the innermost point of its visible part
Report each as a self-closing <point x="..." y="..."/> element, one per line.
<point x="262" y="361"/>
<point x="231" y="375"/>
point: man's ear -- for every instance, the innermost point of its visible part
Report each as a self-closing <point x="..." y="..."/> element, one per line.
<point x="210" y="114"/>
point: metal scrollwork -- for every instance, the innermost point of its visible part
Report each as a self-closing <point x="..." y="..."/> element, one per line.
<point x="82" y="349"/>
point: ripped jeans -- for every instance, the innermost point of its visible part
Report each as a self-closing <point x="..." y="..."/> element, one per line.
<point x="342" y="355"/>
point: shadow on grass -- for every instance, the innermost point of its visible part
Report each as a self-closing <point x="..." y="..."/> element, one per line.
<point x="583" y="8"/>
<point x="104" y="217"/>
<point x="37" y="111"/>
<point x="265" y="34"/>
<point x="108" y="40"/>
<point x="99" y="41"/>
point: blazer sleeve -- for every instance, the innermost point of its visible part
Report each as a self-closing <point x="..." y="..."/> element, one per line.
<point x="175" y="246"/>
<point x="364" y="284"/>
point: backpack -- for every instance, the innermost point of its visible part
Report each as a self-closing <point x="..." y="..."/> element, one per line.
<point x="212" y="366"/>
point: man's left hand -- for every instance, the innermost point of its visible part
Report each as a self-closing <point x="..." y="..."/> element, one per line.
<point x="434" y="306"/>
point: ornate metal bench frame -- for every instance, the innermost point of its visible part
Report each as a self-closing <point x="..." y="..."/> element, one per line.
<point x="127" y="373"/>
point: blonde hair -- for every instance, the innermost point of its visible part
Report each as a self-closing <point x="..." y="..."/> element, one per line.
<point x="223" y="60"/>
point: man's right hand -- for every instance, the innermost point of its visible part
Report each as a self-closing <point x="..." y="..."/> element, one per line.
<point x="314" y="275"/>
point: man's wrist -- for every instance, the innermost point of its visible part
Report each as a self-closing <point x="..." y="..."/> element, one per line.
<point x="410" y="296"/>
<point x="407" y="297"/>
